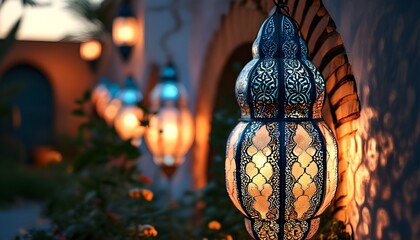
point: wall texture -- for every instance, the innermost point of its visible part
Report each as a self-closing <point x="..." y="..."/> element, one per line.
<point x="382" y="40"/>
<point x="70" y="76"/>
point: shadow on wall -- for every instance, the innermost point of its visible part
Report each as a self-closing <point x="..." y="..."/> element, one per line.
<point x="382" y="39"/>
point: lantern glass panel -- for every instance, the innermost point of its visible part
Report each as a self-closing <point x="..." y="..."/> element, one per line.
<point x="170" y="133"/>
<point x="111" y="110"/>
<point x="127" y="123"/>
<point x="125" y="31"/>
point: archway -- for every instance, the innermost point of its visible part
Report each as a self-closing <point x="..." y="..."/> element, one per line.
<point x="225" y="111"/>
<point x="28" y="101"/>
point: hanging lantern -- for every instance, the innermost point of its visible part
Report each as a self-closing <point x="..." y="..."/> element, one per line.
<point x="170" y="132"/>
<point x="104" y="97"/>
<point x="128" y="119"/>
<point x="90" y="50"/>
<point x="281" y="158"/>
<point x="125" y="30"/>
<point x="100" y="91"/>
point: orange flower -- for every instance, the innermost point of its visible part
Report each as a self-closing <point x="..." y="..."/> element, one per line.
<point x="135" y="193"/>
<point x="145" y="179"/>
<point x="147" y="230"/>
<point x="147" y="195"/>
<point x="214" y="225"/>
<point x="228" y="237"/>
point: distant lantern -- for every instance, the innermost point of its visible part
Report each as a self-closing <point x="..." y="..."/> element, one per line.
<point x="125" y="30"/>
<point x="107" y="104"/>
<point x="170" y="133"/>
<point x="100" y="91"/>
<point x="281" y="158"/>
<point x="90" y="50"/>
<point x="128" y="119"/>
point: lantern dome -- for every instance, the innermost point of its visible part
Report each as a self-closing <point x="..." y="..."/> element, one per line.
<point x="281" y="158"/>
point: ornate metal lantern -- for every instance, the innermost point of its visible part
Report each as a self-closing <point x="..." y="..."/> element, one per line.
<point x="170" y="133"/>
<point x="104" y="98"/>
<point x="125" y="30"/>
<point x="127" y="121"/>
<point x="281" y="158"/>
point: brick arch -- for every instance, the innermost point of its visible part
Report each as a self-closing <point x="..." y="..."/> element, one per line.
<point x="238" y="27"/>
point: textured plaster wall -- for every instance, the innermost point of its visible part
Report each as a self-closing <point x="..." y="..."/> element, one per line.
<point x="70" y="76"/>
<point x="382" y="38"/>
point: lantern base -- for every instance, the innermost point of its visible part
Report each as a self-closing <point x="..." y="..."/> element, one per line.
<point x="168" y="170"/>
<point x="292" y="230"/>
<point x="168" y="163"/>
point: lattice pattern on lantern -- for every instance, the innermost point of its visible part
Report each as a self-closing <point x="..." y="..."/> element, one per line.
<point x="304" y="169"/>
<point x="281" y="159"/>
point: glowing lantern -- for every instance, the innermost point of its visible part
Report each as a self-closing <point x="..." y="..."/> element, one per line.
<point x="170" y="133"/>
<point x="125" y="30"/>
<point x="100" y="92"/>
<point x="104" y="98"/>
<point x="90" y="50"/>
<point x="127" y="121"/>
<point x="281" y="158"/>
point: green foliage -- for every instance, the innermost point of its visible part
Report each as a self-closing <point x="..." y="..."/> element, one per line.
<point x="106" y="198"/>
<point x="97" y="205"/>
<point x="21" y="181"/>
<point x="331" y="228"/>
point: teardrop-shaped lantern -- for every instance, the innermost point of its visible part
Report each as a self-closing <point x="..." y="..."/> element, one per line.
<point x="170" y="133"/>
<point x="125" y="29"/>
<point x="281" y="158"/>
<point x="128" y="119"/>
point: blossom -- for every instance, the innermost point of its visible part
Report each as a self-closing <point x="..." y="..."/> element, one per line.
<point x="214" y="225"/>
<point x="147" y="230"/>
<point x="147" y="194"/>
<point x="135" y="193"/>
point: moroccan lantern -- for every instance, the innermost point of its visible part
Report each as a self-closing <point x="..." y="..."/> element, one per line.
<point x="281" y="158"/>
<point x="100" y="92"/>
<point x="170" y="133"/>
<point x="128" y="119"/>
<point x="90" y="50"/>
<point x="125" y="30"/>
<point x="104" y="99"/>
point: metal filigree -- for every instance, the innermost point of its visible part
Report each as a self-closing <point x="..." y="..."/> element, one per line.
<point x="298" y="89"/>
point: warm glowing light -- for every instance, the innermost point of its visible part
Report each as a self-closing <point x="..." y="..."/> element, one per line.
<point x="100" y="92"/>
<point x="128" y="116"/>
<point x="46" y="155"/>
<point x="170" y="135"/>
<point x="111" y="110"/>
<point x="125" y="31"/>
<point x="127" y="123"/>
<point x="90" y="50"/>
